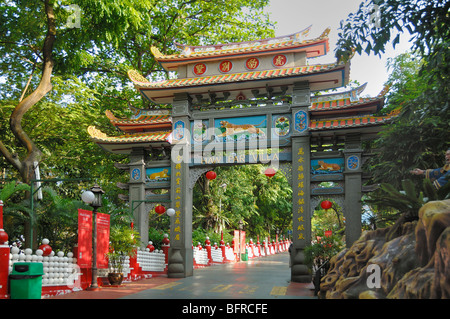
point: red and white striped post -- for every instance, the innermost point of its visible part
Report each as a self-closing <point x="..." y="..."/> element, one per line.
<point x="165" y="247"/>
<point x="4" y="258"/>
<point x="208" y="249"/>
<point x="223" y="248"/>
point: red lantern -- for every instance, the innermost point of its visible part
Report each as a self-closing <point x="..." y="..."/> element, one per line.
<point x="46" y="249"/>
<point x="211" y="175"/>
<point x="160" y="209"/>
<point x="328" y="233"/>
<point x="150" y="246"/>
<point x="326" y="204"/>
<point x="3" y="237"/>
<point x="270" y="172"/>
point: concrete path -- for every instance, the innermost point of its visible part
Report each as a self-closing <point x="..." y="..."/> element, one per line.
<point x="259" y="278"/>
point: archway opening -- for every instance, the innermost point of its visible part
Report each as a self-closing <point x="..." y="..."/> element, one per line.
<point x="242" y="193"/>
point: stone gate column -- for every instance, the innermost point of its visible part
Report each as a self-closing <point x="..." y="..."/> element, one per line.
<point x="137" y="193"/>
<point x="353" y="185"/>
<point x="300" y="182"/>
<point x="181" y="259"/>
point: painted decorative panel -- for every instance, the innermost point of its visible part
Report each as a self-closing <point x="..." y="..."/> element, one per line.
<point x="281" y="125"/>
<point x="327" y="166"/>
<point x="301" y="121"/>
<point x="157" y="175"/>
<point x="199" y="131"/>
<point x="178" y="130"/>
<point x="353" y="162"/>
<point x="240" y="128"/>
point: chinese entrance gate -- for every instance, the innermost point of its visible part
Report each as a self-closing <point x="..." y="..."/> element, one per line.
<point x="245" y="103"/>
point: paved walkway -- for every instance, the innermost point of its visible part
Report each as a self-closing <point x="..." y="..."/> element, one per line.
<point x="259" y="278"/>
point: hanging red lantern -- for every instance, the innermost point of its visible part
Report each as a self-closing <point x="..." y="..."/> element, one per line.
<point x="326" y="204"/>
<point x="211" y="175"/>
<point x="270" y="172"/>
<point x="3" y="237"/>
<point x="160" y="209"/>
<point x="45" y="247"/>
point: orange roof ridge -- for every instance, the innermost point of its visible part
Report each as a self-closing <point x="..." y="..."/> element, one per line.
<point x="293" y="36"/>
<point x="138" y="80"/>
<point x="240" y="48"/>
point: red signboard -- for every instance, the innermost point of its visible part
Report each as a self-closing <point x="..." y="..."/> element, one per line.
<point x="199" y="68"/>
<point x="238" y="244"/>
<point x="102" y="240"/>
<point x="252" y="63"/>
<point x="84" y="238"/>
<point x="225" y="66"/>
<point x="279" y="60"/>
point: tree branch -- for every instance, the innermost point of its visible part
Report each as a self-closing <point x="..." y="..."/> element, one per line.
<point x="33" y="153"/>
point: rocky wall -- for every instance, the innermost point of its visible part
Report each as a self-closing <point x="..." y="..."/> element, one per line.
<point x="407" y="260"/>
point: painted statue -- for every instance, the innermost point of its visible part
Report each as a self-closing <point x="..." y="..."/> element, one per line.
<point x="438" y="176"/>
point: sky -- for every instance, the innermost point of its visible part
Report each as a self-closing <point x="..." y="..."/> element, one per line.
<point x="295" y="15"/>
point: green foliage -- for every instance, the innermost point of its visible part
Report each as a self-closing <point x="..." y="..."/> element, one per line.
<point x="199" y="236"/>
<point x="263" y="204"/>
<point x="156" y="236"/>
<point x="322" y="250"/>
<point x="323" y="220"/>
<point x="123" y="242"/>
<point x="419" y="82"/>
<point x="10" y="188"/>
<point x="392" y="203"/>
<point x="90" y="76"/>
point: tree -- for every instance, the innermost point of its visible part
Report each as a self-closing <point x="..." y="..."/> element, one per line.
<point x="40" y="46"/>
<point x="420" y="81"/>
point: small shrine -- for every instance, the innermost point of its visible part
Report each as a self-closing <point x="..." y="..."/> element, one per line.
<point x="229" y="100"/>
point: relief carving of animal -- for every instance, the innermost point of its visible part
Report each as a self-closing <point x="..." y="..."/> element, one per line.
<point x="231" y="129"/>
<point x="329" y="167"/>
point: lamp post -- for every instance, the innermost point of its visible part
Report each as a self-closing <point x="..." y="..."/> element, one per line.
<point x="224" y="187"/>
<point x="93" y="197"/>
<point x="240" y="241"/>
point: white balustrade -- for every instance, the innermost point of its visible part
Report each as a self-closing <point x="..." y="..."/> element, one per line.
<point x="58" y="269"/>
<point x="200" y="256"/>
<point x="216" y="254"/>
<point x="151" y="261"/>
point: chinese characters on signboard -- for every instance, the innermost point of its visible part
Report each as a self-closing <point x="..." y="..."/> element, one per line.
<point x="178" y="199"/>
<point x="301" y="194"/>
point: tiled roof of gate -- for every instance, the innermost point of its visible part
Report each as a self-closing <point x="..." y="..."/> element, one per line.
<point x="143" y="83"/>
<point x="143" y="119"/>
<point x="338" y="123"/>
<point x="265" y="45"/>
<point x="100" y="137"/>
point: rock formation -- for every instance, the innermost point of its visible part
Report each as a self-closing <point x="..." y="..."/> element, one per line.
<point x="407" y="260"/>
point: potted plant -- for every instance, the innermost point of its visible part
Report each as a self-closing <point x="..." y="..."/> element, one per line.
<point x="319" y="253"/>
<point x="122" y="243"/>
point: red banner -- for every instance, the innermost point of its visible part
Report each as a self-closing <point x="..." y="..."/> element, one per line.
<point x="102" y="240"/>
<point x="238" y="244"/>
<point x="84" y="238"/>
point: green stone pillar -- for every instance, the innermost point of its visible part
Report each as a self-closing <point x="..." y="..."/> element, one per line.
<point x="137" y="193"/>
<point x="353" y="186"/>
<point x="300" y="182"/>
<point x="181" y="259"/>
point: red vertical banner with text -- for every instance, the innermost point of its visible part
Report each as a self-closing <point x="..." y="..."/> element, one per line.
<point x="84" y="238"/>
<point x="102" y="240"/>
<point x="236" y="242"/>
<point x="243" y="242"/>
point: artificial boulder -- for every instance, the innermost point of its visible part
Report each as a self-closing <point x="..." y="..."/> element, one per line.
<point x="413" y="263"/>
